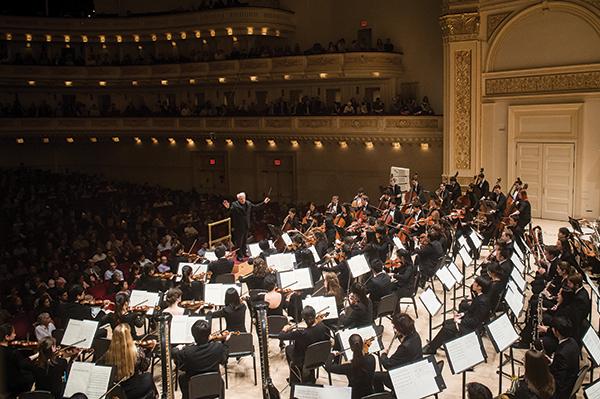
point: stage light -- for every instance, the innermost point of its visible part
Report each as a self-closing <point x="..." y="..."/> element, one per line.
<point x="136" y="38"/>
<point x="192" y="81"/>
<point x="287" y="77"/>
<point x="191" y="142"/>
<point x="164" y="82"/>
<point x="343" y="144"/>
<point x="323" y="75"/>
<point x="154" y="140"/>
<point x="249" y="142"/>
<point x="28" y="37"/>
<point x="119" y="38"/>
<point x="102" y="83"/>
<point x="68" y="83"/>
<point x="116" y="139"/>
<point x="103" y="46"/>
<point x="250" y="30"/>
<point x="48" y="38"/>
<point x="183" y="35"/>
<point x="137" y="140"/>
<point x="424" y="146"/>
<point x="369" y="145"/>
<point x="93" y="139"/>
<point x="28" y="45"/>
<point x="229" y="142"/>
<point x="67" y="39"/>
<point x="222" y="80"/>
<point x="198" y="34"/>
<point x="272" y="143"/>
<point x="134" y="82"/>
<point x="264" y="30"/>
<point x="140" y="47"/>
<point x="294" y="143"/>
<point x="174" y="44"/>
<point x="67" y="45"/>
<point x="254" y="78"/>
<point x="376" y="74"/>
<point x="213" y="33"/>
<point x="209" y="142"/>
<point x="70" y="140"/>
<point x="9" y="36"/>
<point x="172" y="141"/>
<point x="31" y="82"/>
<point x="229" y="30"/>
<point x="396" y="145"/>
<point x="318" y="143"/>
<point x="84" y="38"/>
<point x="102" y="38"/>
<point x="168" y="35"/>
<point x="277" y="33"/>
<point x="45" y="140"/>
<point x="20" y="141"/>
<point x="153" y="37"/>
<point x="235" y="39"/>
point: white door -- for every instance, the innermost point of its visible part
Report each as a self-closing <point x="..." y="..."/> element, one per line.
<point x="548" y="170"/>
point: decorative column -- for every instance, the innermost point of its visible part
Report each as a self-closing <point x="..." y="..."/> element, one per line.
<point x="462" y="94"/>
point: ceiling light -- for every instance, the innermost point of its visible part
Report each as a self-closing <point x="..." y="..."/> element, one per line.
<point x="102" y="38"/>
<point x="323" y="75"/>
<point x="190" y="142"/>
<point x="102" y="83"/>
<point x="234" y="38"/>
<point x="198" y="34"/>
<point x="119" y="38"/>
<point x="183" y="35"/>
<point x="31" y="82"/>
<point x="164" y="82"/>
<point x="369" y="144"/>
<point x="264" y="30"/>
<point x="209" y="142"/>
<point x="136" y="38"/>
<point x="213" y="33"/>
<point x="376" y="74"/>
<point x="48" y="38"/>
<point x="9" y="36"/>
<point x="168" y="36"/>
<point x="28" y="37"/>
<point x="424" y="146"/>
<point x="153" y="37"/>
<point x="137" y="140"/>
<point x="45" y="140"/>
<point x="318" y="143"/>
<point x="154" y="140"/>
<point x="250" y="30"/>
<point x="116" y="139"/>
<point x="277" y="33"/>
<point x="20" y="140"/>
<point x="287" y="77"/>
<point x="343" y="144"/>
<point x="174" y="44"/>
<point x="68" y="83"/>
<point x="396" y="145"/>
<point x="192" y="81"/>
<point x="67" y="39"/>
<point x="221" y="80"/>
<point x="93" y="139"/>
<point x="172" y="141"/>
<point x="134" y="82"/>
<point x="250" y="142"/>
<point x="229" y="30"/>
<point x="294" y="143"/>
<point x="84" y="38"/>
<point x="272" y="143"/>
<point x="70" y="140"/>
<point x="254" y="78"/>
<point x="229" y="141"/>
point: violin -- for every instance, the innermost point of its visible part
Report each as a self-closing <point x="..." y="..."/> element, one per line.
<point x="367" y="344"/>
<point x="201" y="276"/>
<point x="222" y="335"/>
<point x="96" y="302"/>
<point x="195" y="305"/>
<point x="22" y="344"/>
<point x="146" y="343"/>
<point x="164" y="276"/>
<point x="143" y="308"/>
<point x="393" y="265"/>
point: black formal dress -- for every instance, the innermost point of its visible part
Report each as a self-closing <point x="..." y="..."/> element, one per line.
<point x="295" y="352"/>
<point x="409" y="351"/>
<point x="357" y="315"/>
<point x="198" y="359"/>
<point x="140" y="385"/>
<point x="17" y="376"/>
<point x="379" y="286"/>
<point x="428" y="257"/>
<point x="219" y="267"/>
<point x="51" y="377"/>
<point x="235" y="317"/>
<point x="360" y="379"/>
<point x="564" y="367"/>
<point x="240" y="222"/>
<point x="405" y="280"/>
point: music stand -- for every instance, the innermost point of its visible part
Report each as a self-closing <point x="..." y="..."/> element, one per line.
<point x="464" y="353"/>
<point x="591" y="342"/>
<point x="418" y="379"/>
<point x="432" y="303"/>
<point x="503" y="335"/>
<point x="592" y="391"/>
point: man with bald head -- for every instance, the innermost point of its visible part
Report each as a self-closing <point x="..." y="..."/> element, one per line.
<point x="241" y="212"/>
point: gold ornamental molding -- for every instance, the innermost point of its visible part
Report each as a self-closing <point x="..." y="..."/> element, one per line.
<point x="456" y="27"/>
<point x="462" y="108"/>
<point x="493" y="21"/>
<point x="423" y="123"/>
<point x="543" y="84"/>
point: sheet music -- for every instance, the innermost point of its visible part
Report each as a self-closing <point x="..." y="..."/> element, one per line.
<point x="593" y="391"/>
<point x="321" y="392"/>
<point x="518" y="279"/>
<point x="475" y="238"/>
<point x="281" y="262"/>
<point x="255" y="250"/>
<point x="89" y="379"/>
<point x="365" y="332"/>
<point x="462" y="241"/>
<point x="518" y="249"/>
<point x="503" y="333"/>
<point x="514" y="299"/>
<point x="197" y="268"/>
<point x="210" y="256"/>
<point x="306" y="392"/>
<point x="445" y="277"/>
<point x="78" y="330"/>
<point x="517" y="262"/>
<point x="144" y="298"/>
<point x="398" y="243"/>
<point x="358" y="265"/>
<point x="592" y="344"/>
<point x="286" y="239"/>
<point x="322" y="302"/>
<point x="215" y="293"/>
<point x="431" y="301"/>
<point x="464" y="352"/>
<point x="458" y="276"/>
<point x="464" y="255"/>
<point x="416" y="380"/>
<point x="315" y="254"/>
<point x="299" y="279"/>
<point x="181" y="329"/>
<point x="592" y="285"/>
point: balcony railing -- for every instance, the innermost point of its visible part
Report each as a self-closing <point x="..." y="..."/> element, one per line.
<point x="374" y="128"/>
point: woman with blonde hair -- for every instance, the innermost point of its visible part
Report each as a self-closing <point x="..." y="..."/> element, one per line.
<point x="333" y="288"/>
<point x="131" y="364"/>
<point x="172" y="300"/>
<point x="538" y="382"/>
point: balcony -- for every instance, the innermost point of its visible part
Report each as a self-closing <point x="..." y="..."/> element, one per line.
<point x="327" y="128"/>
<point x="319" y="66"/>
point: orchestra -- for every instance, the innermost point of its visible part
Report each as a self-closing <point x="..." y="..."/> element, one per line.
<point x="403" y="243"/>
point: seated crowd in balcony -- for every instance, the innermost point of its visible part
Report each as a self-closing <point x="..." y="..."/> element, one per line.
<point x="91" y="55"/>
<point x="306" y="106"/>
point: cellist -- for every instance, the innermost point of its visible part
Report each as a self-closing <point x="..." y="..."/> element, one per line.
<point x="453" y="189"/>
<point x="290" y="222"/>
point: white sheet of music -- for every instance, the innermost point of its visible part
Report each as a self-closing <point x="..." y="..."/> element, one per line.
<point x="358" y="265"/>
<point x="415" y="380"/>
<point x="445" y="277"/>
<point x="144" y="298"/>
<point x="315" y="254"/>
<point x="475" y="239"/>
<point x="514" y="298"/>
<point x="89" y="379"/>
<point x="255" y="250"/>
<point x="462" y="240"/>
<point x="286" y="239"/>
<point x="325" y="392"/>
<point x="592" y="285"/>
<point x="518" y="279"/>
<point x="464" y="352"/>
<point x="210" y="256"/>
<point x="431" y="301"/>
<point x="592" y="344"/>
<point x="299" y="279"/>
<point x="365" y="332"/>
<point x="517" y="262"/>
<point x="322" y="304"/>
<point x="281" y="262"/>
<point x="518" y="249"/>
<point x="503" y="332"/>
<point x="197" y="268"/>
<point x="181" y="329"/>
<point x="593" y="391"/>
<point x="215" y="293"/>
<point x="458" y="276"/>
<point x="464" y="255"/>
<point x="398" y="243"/>
<point x="78" y="330"/>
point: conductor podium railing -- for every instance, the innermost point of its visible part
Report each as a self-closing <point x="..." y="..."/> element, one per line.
<point x="217" y="228"/>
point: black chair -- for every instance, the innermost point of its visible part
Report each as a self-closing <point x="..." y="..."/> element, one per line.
<point x="58" y="335"/>
<point x="228" y="278"/>
<point x="100" y="346"/>
<point x="206" y="385"/>
<point x="276" y="324"/>
<point x="379" y="334"/>
<point x="579" y="380"/>
<point x="316" y="356"/>
<point x="387" y="306"/>
<point x="240" y="346"/>
<point x="415" y="287"/>
<point x="380" y="395"/>
<point x="36" y="395"/>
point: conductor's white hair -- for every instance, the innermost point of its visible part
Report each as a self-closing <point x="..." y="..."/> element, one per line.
<point x="241" y="195"/>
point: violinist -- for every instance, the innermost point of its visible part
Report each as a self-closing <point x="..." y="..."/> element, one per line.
<point x="305" y="258"/>
<point x="523" y="212"/>
<point x="234" y="311"/>
<point x="454" y="190"/>
<point x="332" y="288"/>
<point x="321" y="244"/>
<point x="310" y="217"/>
<point x="220" y="266"/>
<point x="265" y="249"/>
<point x="404" y="274"/>
<point x="73" y="309"/>
<point x="147" y="281"/>
<point x="379" y="285"/>
<point x="360" y="311"/>
<point x="191" y="290"/>
<point x="429" y="252"/>
<point x="256" y="279"/>
<point x="341" y="267"/>
<point x="290" y="222"/>
<point x="122" y="314"/>
<point x="379" y="247"/>
<point x="482" y="186"/>
<point x="131" y="364"/>
<point x="393" y="216"/>
<point x="172" y="301"/>
<point x="49" y="369"/>
<point x="360" y="371"/>
<point x="16" y="370"/>
<point x="301" y="339"/>
<point x="203" y="357"/>
<point x="274" y="299"/>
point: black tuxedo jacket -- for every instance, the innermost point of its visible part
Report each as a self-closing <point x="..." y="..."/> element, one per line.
<point x="476" y="313"/>
<point x="408" y="351"/>
<point x="218" y="267"/>
<point x="564" y="367"/>
<point x="379" y="286"/>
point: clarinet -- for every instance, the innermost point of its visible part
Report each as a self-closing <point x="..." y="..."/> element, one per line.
<point x="164" y="332"/>
<point x="269" y="390"/>
<point x="537" y="320"/>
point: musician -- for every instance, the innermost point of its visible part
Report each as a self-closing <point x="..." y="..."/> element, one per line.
<point x="565" y="307"/>
<point x="379" y="285"/>
<point x="333" y="288"/>
<point x="523" y="212"/>
<point x="454" y="190"/>
<point x="565" y="362"/>
<point x="191" y="290"/>
<point x="321" y="244"/>
<point x="131" y="364"/>
<point x="497" y="285"/>
<point x="482" y="185"/>
<point x="428" y="253"/>
<point x="408" y="351"/>
<point x="360" y="371"/>
<point x="73" y="309"/>
<point x="220" y="266"/>
<point x="394" y="216"/>
<point x="241" y="214"/>
<point x="341" y="267"/>
<point x="301" y="340"/>
<point x="360" y="312"/>
<point x="147" y="281"/>
<point x="203" y="357"/>
<point x="234" y="311"/>
<point x="16" y="370"/>
<point x="504" y="262"/>
<point x="581" y="304"/>
<point x="305" y="258"/>
<point x="291" y="222"/>
<point x="123" y="315"/>
<point x="537" y="382"/>
<point x="172" y="301"/>
<point x="44" y="326"/>
<point x="404" y="275"/>
<point x="333" y="207"/>
<point x="550" y="261"/>
<point x="274" y="299"/>
<point x="358" y="201"/>
<point x="474" y="315"/>
<point x="566" y="253"/>
<point x="49" y="369"/>
<point x="443" y="195"/>
<point x="256" y="279"/>
<point x="265" y="249"/>
<point x="310" y="217"/>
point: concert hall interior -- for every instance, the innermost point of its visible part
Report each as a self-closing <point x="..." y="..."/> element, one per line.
<point x="300" y="199"/>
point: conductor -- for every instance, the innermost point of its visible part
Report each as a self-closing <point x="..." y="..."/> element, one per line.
<point x="241" y="213"/>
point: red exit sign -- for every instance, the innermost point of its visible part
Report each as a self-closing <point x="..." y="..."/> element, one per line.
<point x="277" y="162"/>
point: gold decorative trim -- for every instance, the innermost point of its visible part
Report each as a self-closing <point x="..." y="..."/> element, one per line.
<point x="541" y="84"/>
<point x="314" y="123"/>
<point x="278" y="123"/>
<point x="422" y="123"/>
<point x="247" y="123"/>
<point x="358" y="123"/>
<point x="460" y="26"/>
<point x="462" y="109"/>
<point x="493" y="21"/>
